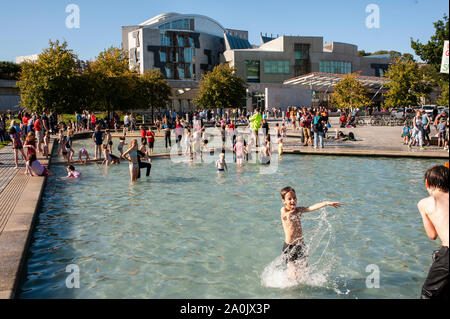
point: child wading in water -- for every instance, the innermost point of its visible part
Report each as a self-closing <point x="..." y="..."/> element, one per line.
<point x="220" y="163"/>
<point x="72" y="173"/>
<point x="109" y="158"/>
<point x="434" y="212"/>
<point x="97" y="138"/>
<point x="121" y="145"/>
<point x="294" y="249"/>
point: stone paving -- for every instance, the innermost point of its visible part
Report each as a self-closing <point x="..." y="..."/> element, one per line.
<point x="19" y="198"/>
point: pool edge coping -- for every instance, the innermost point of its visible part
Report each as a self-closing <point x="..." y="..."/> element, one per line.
<point x="16" y="236"/>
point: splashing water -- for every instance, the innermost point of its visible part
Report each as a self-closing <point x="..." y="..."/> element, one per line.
<point x="319" y="261"/>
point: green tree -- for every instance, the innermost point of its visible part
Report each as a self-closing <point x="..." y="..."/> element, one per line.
<point x="408" y="83"/>
<point x="431" y="53"/>
<point x="349" y="93"/>
<point x="444" y="97"/>
<point x="9" y="70"/>
<point x="48" y="83"/>
<point x="153" y="90"/>
<point x="112" y="84"/>
<point x="221" y="88"/>
<point x="111" y="62"/>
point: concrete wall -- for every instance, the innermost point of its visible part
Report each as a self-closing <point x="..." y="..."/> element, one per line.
<point x="285" y="97"/>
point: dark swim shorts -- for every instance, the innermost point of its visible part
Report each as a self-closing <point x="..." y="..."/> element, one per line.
<point x="436" y="285"/>
<point x="293" y="252"/>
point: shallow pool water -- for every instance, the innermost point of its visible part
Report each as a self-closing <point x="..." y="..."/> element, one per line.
<point x="188" y="231"/>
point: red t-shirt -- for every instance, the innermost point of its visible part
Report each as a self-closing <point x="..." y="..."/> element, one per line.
<point x="93" y="119"/>
<point x="143" y="132"/>
<point x="37" y="125"/>
<point x="25" y="120"/>
<point x="151" y="137"/>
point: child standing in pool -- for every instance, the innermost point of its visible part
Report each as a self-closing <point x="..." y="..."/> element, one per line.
<point x="239" y="149"/>
<point x="294" y="248"/>
<point x="150" y="140"/>
<point x="121" y="145"/>
<point x="220" y="163"/>
<point x="97" y="138"/>
<point x="109" y="141"/>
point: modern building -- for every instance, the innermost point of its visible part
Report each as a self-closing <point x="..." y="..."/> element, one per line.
<point x="9" y="95"/>
<point x="27" y="58"/>
<point x="285" y="57"/>
<point x="185" y="46"/>
<point x="182" y="46"/>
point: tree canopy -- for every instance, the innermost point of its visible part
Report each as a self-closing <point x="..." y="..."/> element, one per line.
<point x="221" y="88"/>
<point x="350" y="93"/>
<point x="431" y="53"/>
<point x="408" y="84"/>
<point x="9" y="70"/>
<point x="47" y="83"/>
<point x="57" y="82"/>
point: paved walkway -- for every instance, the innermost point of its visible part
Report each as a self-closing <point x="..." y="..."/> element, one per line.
<point x="7" y="169"/>
<point x="19" y="198"/>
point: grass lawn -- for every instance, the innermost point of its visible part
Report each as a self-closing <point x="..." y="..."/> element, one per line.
<point x="3" y="144"/>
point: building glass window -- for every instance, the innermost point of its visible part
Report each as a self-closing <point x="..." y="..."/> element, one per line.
<point x="180" y="41"/>
<point x="168" y="72"/>
<point x="276" y="67"/>
<point x="189" y="54"/>
<point x="162" y="56"/>
<point x="165" y="40"/>
<point x="302" y="61"/>
<point x="191" y="70"/>
<point x="181" y="72"/>
<point x="164" y="26"/>
<point x="186" y="24"/>
<point x="301" y="51"/>
<point x="335" y="67"/>
<point x="252" y="68"/>
<point x="191" y="43"/>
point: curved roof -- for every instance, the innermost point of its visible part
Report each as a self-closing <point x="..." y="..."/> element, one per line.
<point x="161" y="19"/>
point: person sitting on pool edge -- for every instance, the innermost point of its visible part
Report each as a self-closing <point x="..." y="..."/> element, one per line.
<point x="294" y="248"/>
<point x="434" y="211"/>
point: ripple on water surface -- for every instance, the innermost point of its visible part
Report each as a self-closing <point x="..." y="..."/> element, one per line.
<point x="187" y="232"/>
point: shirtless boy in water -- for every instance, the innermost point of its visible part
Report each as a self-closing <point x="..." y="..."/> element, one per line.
<point x="294" y="249"/>
<point x="434" y="211"/>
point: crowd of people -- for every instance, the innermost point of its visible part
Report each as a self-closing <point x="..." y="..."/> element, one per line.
<point x="420" y="132"/>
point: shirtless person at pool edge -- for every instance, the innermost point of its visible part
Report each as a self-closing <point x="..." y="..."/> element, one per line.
<point x="434" y="211"/>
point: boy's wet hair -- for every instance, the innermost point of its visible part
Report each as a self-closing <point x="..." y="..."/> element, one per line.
<point x="286" y="190"/>
<point x="71" y="167"/>
<point x="437" y="177"/>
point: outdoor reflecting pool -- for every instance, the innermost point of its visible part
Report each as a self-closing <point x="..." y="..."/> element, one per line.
<point x="189" y="232"/>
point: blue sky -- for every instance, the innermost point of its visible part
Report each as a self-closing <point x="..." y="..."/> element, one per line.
<point x="27" y="26"/>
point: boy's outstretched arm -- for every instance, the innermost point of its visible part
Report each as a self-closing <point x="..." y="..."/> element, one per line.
<point x="321" y="205"/>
